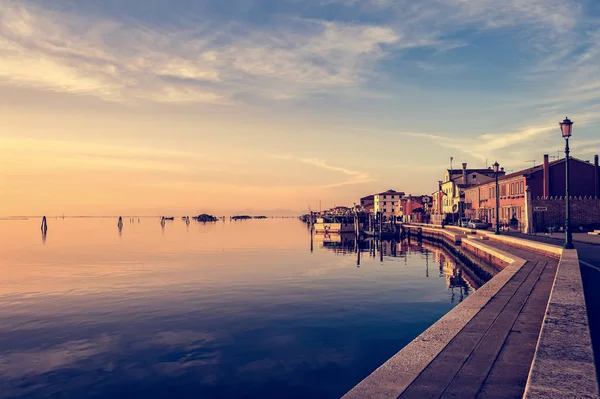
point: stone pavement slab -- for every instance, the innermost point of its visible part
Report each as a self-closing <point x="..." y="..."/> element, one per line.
<point x="491" y="356"/>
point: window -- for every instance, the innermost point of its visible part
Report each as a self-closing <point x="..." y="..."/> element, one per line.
<point x="385" y="196"/>
<point x="512" y="188"/>
<point x="392" y="204"/>
<point x="522" y="187"/>
<point x="474" y="176"/>
<point x="384" y="203"/>
<point x="384" y="210"/>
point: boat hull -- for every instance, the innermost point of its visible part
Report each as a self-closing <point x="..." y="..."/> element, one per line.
<point x="333" y="228"/>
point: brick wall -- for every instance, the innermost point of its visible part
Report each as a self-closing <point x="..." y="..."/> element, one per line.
<point x="550" y="212"/>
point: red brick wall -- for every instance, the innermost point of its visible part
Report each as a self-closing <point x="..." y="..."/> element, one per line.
<point x="584" y="212"/>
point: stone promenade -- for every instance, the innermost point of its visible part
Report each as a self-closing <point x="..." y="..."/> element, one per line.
<point x="492" y="355"/>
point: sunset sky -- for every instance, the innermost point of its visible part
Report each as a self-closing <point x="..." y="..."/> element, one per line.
<point x="189" y="106"/>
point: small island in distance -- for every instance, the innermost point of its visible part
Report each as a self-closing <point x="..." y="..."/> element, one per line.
<point x="205" y="218"/>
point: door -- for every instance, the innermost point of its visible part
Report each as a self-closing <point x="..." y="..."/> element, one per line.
<point x="539" y="224"/>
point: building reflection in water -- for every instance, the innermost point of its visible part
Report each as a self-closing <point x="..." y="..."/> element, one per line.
<point x="460" y="279"/>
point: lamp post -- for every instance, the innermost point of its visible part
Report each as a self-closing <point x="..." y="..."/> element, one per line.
<point x="566" y="128"/>
<point x="497" y="172"/>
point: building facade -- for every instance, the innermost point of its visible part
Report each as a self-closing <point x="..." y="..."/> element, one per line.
<point x="517" y="190"/>
<point x="412" y="208"/>
<point x="386" y="202"/>
<point x="454" y="186"/>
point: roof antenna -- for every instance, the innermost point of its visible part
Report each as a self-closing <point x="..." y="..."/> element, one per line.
<point x="533" y="162"/>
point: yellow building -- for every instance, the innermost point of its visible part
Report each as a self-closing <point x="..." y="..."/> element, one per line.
<point x="456" y="180"/>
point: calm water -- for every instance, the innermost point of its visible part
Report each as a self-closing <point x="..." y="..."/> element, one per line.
<point x="224" y="310"/>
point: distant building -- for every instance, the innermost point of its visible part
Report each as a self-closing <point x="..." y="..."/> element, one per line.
<point x="367" y="203"/>
<point x="340" y="211"/>
<point x="412" y="208"/>
<point x="543" y="185"/>
<point x="386" y="202"/>
<point x="436" y="212"/>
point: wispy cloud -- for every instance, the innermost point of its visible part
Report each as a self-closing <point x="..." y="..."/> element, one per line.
<point x="353" y="176"/>
<point x="42" y="156"/>
<point x="66" y="52"/>
<point x="485" y="145"/>
<point x="198" y="60"/>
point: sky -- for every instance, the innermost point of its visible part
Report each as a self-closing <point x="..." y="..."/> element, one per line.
<point x="271" y="106"/>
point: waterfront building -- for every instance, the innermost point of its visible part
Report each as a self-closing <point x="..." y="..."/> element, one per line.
<point x="534" y="196"/>
<point x="412" y="208"/>
<point x="386" y="202"/>
<point x="453" y="187"/>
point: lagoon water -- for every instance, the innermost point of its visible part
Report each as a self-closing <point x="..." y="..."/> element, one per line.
<point x="226" y="310"/>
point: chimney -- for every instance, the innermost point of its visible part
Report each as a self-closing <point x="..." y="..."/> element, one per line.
<point x="596" y="177"/>
<point x="546" y="190"/>
<point x="464" y="173"/>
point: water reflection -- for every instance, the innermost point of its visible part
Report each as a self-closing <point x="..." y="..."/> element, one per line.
<point x="460" y="278"/>
<point x="222" y="310"/>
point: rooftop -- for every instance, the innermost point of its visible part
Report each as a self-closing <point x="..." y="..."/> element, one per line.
<point x="480" y="170"/>
<point x="391" y="192"/>
<point x="535" y="169"/>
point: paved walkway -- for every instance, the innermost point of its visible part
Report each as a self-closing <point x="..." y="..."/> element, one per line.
<point x="588" y="248"/>
<point x="491" y="356"/>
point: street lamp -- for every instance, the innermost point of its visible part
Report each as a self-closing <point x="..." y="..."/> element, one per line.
<point x="566" y="128"/>
<point x="497" y="172"/>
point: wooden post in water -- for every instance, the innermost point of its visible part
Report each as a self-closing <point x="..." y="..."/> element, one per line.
<point x="44" y="225"/>
<point x="120" y="223"/>
<point x="356" y="228"/>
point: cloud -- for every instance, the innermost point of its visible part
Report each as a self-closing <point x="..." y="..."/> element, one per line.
<point x="558" y="15"/>
<point x="67" y="52"/>
<point x="486" y="145"/>
<point x="354" y="177"/>
<point x="199" y="60"/>
<point x="44" y="156"/>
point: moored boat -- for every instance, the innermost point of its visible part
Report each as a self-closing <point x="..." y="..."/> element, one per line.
<point x="339" y="224"/>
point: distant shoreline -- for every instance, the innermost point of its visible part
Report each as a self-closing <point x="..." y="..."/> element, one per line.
<point x="108" y="217"/>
